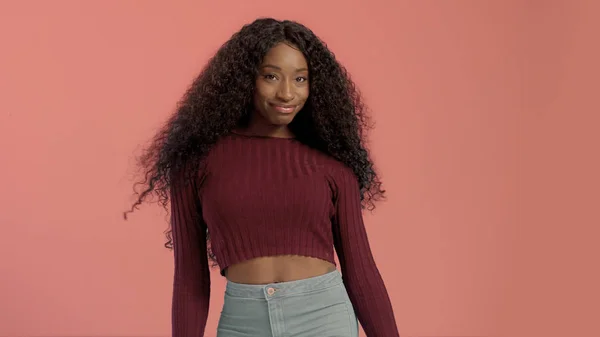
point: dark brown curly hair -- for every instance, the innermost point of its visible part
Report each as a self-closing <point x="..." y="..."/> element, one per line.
<point x="220" y="100"/>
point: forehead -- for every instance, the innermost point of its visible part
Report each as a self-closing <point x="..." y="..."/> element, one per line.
<point x="283" y="55"/>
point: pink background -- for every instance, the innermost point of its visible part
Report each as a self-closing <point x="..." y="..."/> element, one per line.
<point x="486" y="139"/>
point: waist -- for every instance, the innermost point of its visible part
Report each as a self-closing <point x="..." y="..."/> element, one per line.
<point x="279" y="289"/>
<point x="272" y="269"/>
<point x="227" y="256"/>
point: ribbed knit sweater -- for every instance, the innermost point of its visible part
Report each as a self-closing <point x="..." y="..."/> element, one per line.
<point x="264" y="196"/>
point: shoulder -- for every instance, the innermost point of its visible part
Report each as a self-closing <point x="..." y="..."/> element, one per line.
<point x="226" y="146"/>
<point x="340" y="175"/>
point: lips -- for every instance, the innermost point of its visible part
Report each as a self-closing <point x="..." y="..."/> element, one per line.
<point x="286" y="109"/>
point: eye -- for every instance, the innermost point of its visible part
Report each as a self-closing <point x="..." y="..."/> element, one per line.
<point x="301" y="79"/>
<point x="270" y="77"/>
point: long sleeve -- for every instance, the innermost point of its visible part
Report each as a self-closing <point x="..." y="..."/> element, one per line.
<point x="362" y="279"/>
<point x="191" y="284"/>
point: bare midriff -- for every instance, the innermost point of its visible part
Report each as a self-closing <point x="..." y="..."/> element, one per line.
<point x="275" y="269"/>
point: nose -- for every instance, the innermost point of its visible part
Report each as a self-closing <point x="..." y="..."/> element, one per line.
<point x="285" y="91"/>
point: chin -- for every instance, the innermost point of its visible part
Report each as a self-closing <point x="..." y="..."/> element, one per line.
<point x="282" y="120"/>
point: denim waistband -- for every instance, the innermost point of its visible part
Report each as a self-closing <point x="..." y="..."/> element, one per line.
<point x="275" y="290"/>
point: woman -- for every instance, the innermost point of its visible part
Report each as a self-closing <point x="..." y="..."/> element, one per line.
<point x="264" y="155"/>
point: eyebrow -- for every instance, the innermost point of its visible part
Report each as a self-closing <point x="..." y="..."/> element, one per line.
<point x="278" y="68"/>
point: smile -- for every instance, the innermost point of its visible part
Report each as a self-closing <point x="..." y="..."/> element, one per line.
<point x="284" y="108"/>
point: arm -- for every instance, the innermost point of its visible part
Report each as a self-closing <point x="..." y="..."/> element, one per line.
<point x="191" y="284"/>
<point x="365" y="286"/>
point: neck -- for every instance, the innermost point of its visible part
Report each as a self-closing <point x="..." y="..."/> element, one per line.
<point x="267" y="130"/>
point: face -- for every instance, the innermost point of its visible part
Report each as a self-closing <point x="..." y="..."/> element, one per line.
<point x="281" y="86"/>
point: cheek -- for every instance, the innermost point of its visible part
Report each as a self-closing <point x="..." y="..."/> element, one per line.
<point x="258" y="98"/>
<point x="304" y="93"/>
<point x="261" y="93"/>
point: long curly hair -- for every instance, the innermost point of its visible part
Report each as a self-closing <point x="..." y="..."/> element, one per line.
<point x="220" y="99"/>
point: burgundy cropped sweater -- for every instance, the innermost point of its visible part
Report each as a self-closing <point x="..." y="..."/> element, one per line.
<point x="263" y="196"/>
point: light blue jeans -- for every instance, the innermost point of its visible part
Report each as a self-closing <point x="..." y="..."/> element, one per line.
<point x="317" y="306"/>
